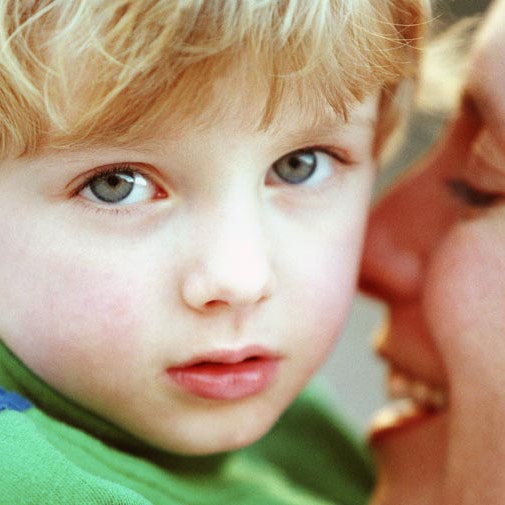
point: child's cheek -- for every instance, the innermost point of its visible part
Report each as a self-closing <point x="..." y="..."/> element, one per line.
<point x="65" y="312"/>
<point x="322" y="296"/>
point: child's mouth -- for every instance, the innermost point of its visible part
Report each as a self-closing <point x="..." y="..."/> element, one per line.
<point x="227" y="375"/>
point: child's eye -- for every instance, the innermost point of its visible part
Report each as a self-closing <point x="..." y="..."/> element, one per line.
<point x="470" y="195"/>
<point x="304" y="166"/>
<point x="118" y="186"/>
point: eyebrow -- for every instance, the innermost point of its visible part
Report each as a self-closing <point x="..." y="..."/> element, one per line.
<point x="326" y="130"/>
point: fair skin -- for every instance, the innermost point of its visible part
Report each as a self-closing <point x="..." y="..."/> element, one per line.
<point x="194" y="310"/>
<point x="435" y="253"/>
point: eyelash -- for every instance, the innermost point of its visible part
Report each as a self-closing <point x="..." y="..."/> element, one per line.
<point x="339" y="156"/>
<point x="109" y="170"/>
<point x="321" y="166"/>
<point x="470" y="195"/>
<point x="110" y="210"/>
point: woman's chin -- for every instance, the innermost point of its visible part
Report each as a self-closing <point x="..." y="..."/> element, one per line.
<point x="411" y="457"/>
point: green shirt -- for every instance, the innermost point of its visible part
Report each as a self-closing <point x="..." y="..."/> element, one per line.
<point x="52" y="451"/>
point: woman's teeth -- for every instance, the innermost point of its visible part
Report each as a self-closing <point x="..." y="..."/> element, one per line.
<point x="421" y="393"/>
<point x="411" y="401"/>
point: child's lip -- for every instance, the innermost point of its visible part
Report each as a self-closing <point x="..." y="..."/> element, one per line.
<point x="231" y="356"/>
<point x="227" y="374"/>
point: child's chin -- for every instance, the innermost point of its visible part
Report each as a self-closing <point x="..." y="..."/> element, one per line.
<point x="216" y="446"/>
<point x="205" y="441"/>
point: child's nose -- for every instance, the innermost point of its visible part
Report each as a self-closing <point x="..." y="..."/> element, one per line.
<point x="232" y="266"/>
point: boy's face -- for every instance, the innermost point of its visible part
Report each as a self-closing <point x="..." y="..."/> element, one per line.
<point x="186" y="287"/>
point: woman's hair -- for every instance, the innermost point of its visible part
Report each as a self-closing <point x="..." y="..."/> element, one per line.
<point x="84" y="71"/>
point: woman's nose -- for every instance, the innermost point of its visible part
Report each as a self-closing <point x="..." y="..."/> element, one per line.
<point x="408" y="223"/>
<point x="232" y="266"/>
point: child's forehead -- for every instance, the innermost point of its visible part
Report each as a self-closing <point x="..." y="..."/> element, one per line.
<point x="232" y="109"/>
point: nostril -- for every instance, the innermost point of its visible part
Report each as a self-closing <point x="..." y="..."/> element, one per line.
<point x="214" y="304"/>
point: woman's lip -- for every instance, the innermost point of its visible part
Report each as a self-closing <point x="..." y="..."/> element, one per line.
<point x="418" y="392"/>
<point x="227" y="375"/>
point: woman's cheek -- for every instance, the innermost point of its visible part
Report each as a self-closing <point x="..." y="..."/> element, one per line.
<point x="465" y="300"/>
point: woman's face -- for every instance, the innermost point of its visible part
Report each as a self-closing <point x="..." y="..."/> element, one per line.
<point x="436" y="254"/>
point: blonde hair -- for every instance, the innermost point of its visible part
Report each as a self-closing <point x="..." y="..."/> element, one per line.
<point x="106" y="71"/>
<point x="444" y="66"/>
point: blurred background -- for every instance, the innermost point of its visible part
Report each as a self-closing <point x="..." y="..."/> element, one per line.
<point x="352" y="376"/>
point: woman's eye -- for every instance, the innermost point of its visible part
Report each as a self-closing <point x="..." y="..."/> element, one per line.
<point x="470" y="195"/>
<point x="306" y="166"/>
<point x="121" y="187"/>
